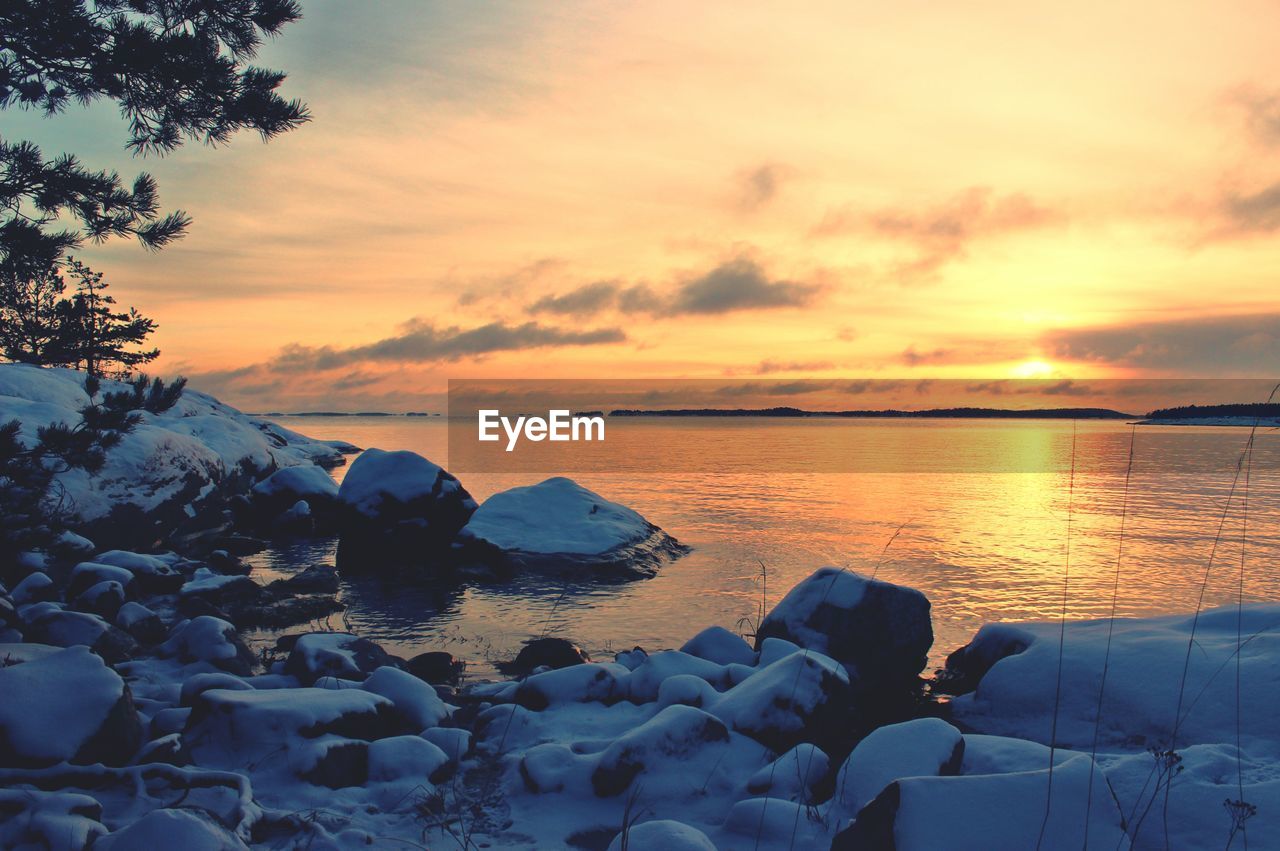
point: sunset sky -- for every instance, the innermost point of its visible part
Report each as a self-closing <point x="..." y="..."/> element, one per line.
<point x="649" y="189"/>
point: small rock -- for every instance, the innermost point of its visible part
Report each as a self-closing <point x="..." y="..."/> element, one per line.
<point x="436" y="667"/>
<point x="548" y="653"/>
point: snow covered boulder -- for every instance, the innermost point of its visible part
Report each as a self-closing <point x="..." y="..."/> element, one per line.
<point x="398" y="509"/>
<point x="880" y="632"/>
<point x="279" y="493"/>
<point x="188" y="829"/>
<point x="406" y="758"/>
<point x="719" y="645"/>
<point x="68" y="629"/>
<point x="804" y="697"/>
<point x="924" y="747"/>
<point x="798" y="775"/>
<point x="647" y="679"/>
<point x="415" y="703"/>
<point x="210" y="640"/>
<point x="232" y="728"/>
<point x="153" y="574"/>
<point x="665" y="834"/>
<point x="88" y="573"/>
<point x="36" y="588"/>
<point x="587" y="683"/>
<point x="981" y="812"/>
<point x="334" y="654"/>
<point x="66" y="706"/>
<point x="558" y="525"/>
<point x="31" y="819"/>
<point x="676" y="733"/>
<point x="104" y="599"/>
<point x="967" y="665"/>
<point x="142" y="624"/>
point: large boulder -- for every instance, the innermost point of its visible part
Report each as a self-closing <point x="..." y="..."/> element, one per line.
<point x="66" y="706"/>
<point x="334" y="654"/>
<point x="880" y="632"/>
<point x="803" y="697"/>
<point x="559" y="526"/>
<point x="398" y="509"/>
<point x="286" y="486"/>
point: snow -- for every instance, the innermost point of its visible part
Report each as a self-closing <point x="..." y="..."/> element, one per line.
<point x="719" y="645"/>
<point x="54" y="705"/>
<point x="172" y="828"/>
<point x="801" y="693"/>
<point x="378" y="476"/>
<point x="1015" y="698"/>
<point x="404" y="758"/>
<point x="300" y="482"/>
<point x="921" y="747"/>
<point x="794" y="776"/>
<point x="415" y="701"/>
<point x="665" y="834"/>
<point x="170" y="460"/>
<point x="208" y="639"/>
<point x="555" y="516"/>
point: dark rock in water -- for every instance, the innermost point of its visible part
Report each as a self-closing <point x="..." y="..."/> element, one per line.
<point x="66" y="706"/>
<point x="545" y="653"/>
<point x="241" y="545"/>
<point x="284" y="610"/>
<point x="286" y="487"/>
<point x="222" y="591"/>
<point x="67" y="629"/>
<point x="334" y="654"/>
<point x="880" y="632"/>
<point x="298" y="521"/>
<point x="399" y="510"/>
<point x="436" y="667"/>
<point x="316" y="579"/>
<point x="558" y="526"/>
<point x="221" y="561"/>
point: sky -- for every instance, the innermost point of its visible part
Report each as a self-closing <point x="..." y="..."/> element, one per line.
<point x="992" y="190"/>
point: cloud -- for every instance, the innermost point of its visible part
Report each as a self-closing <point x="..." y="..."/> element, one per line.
<point x="760" y="185"/>
<point x="1248" y="344"/>
<point x="766" y="389"/>
<point x="586" y="300"/>
<point x="911" y="357"/>
<point x="766" y="367"/>
<point x="1262" y="114"/>
<point x="940" y="234"/>
<point x="737" y="284"/>
<point x="423" y="342"/>
<point x="1257" y="212"/>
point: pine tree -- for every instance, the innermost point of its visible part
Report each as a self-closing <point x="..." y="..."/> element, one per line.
<point x="32" y="308"/>
<point x="94" y="336"/>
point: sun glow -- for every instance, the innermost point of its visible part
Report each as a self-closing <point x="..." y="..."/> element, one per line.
<point x="1033" y="369"/>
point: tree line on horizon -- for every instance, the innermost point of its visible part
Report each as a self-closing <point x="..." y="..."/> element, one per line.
<point x="179" y="70"/>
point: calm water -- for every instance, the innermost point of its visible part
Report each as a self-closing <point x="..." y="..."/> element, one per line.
<point x="982" y="546"/>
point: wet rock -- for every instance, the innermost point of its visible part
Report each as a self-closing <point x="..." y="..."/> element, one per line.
<point x="436" y="667"/>
<point x="221" y="561"/>
<point x="67" y="706"/>
<point x="548" y="653"/>
<point x="880" y="632"/>
<point x="334" y="654"/>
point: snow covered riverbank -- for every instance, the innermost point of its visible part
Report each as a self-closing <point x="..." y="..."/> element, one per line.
<point x="332" y="743"/>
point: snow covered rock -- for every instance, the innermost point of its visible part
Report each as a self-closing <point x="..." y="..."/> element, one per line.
<point x="334" y="654"/>
<point x="1145" y="670"/>
<point x="211" y="640"/>
<point x="966" y="665"/>
<point x="558" y="525"/>
<point x="406" y="758"/>
<point x="924" y="747"/>
<point x="579" y="683"/>
<point x="232" y="728"/>
<point x="142" y="624"/>
<point x="31" y="819"/>
<point x="400" y="509"/>
<point x="719" y="645"/>
<point x="804" y="697"/>
<point x="36" y="588"/>
<point x="219" y="589"/>
<point x="981" y="812"/>
<point x="798" y="775"/>
<point x="154" y="574"/>
<point x="280" y="492"/>
<point x="880" y="632"/>
<point x="68" y="629"/>
<point x="168" y="476"/>
<point x="104" y="599"/>
<point x="675" y="733"/>
<point x="415" y="703"/>
<point x="66" y="706"/>
<point x="188" y="829"/>
<point x="665" y="834"/>
<point x="198" y="684"/>
<point x="87" y="574"/>
<point x="646" y="680"/>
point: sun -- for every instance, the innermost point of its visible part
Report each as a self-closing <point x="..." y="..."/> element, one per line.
<point x="1033" y="369"/>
